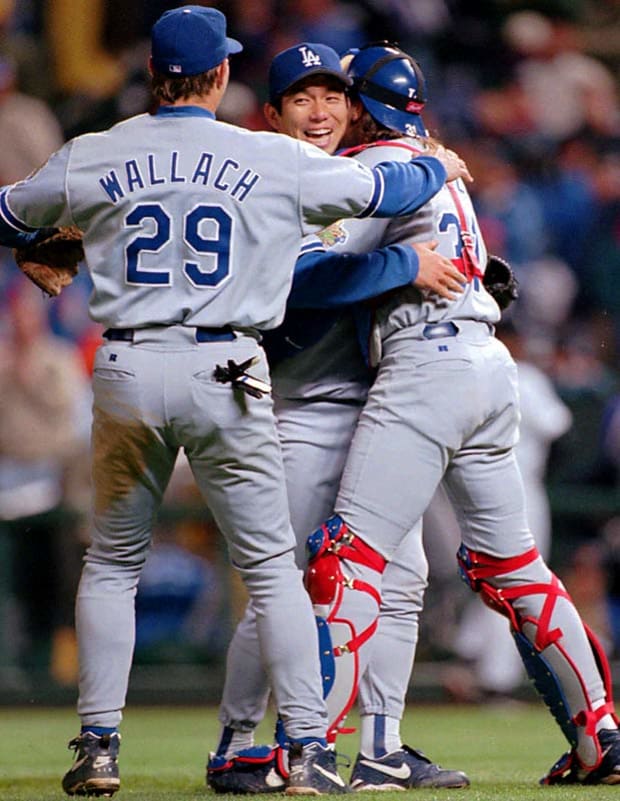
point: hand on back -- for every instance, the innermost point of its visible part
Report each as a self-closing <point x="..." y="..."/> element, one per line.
<point x="454" y="164"/>
<point x="436" y="273"/>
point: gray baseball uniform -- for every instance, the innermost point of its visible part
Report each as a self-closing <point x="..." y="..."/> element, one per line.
<point x="444" y="405"/>
<point x="191" y="227"/>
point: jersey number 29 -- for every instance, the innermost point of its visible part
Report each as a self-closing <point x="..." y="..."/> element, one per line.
<point x="206" y="232"/>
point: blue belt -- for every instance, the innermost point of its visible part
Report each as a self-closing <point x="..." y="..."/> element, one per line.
<point x="203" y="334"/>
<point x="438" y="330"/>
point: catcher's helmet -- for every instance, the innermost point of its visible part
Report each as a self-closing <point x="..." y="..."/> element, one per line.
<point x="390" y="85"/>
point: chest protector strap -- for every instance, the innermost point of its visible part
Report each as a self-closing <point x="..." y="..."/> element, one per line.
<point x="468" y="262"/>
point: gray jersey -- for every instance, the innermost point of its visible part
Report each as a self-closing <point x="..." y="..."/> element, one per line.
<point x="198" y="209"/>
<point x="442" y="219"/>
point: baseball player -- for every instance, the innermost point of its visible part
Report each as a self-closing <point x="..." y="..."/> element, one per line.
<point x="190" y="229"/>
<point x="444" y="406"/>
<point x="320" y="382"/>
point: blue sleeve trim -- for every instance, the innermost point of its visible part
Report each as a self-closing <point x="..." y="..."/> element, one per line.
<point x="409" y="185"/>
<point x="10" y="218"/>
<point x="13" y="232"/>
<point x="377" y="195"/>
<point x="312" y="247"/>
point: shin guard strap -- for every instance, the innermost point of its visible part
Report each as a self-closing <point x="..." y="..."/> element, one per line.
<point x="588" y="718"/>
<point x="551" y="591"/>
<point x="334" y="536"/>
<point x="476" y="566"/>
<point x="358" y="640"/>
<point x="603" y="665"/>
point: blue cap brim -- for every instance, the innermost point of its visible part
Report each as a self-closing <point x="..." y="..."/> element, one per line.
<point x="339" y="76"/>
<point x="233" y="46"/>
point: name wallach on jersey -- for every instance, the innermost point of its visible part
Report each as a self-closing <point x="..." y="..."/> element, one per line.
<point x="138" y="173"/>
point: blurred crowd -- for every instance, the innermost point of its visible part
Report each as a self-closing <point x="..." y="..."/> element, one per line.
<point x="527" y="92"/>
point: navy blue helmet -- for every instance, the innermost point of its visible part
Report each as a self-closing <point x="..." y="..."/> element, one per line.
<point x="390" y="85"/>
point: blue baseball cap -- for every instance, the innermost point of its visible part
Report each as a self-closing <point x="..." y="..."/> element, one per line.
<point x="190" y="40"/>
<point x="296" y="63"/>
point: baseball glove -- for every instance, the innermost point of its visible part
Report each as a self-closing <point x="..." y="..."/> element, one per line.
<point x="500" y="282"/>
<point x="51" y="261"/>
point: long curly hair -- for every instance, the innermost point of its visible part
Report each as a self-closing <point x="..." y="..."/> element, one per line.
<point x="366" y="130"/>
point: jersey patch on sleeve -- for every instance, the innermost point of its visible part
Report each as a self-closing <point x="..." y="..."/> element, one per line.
<point x="334" y="234"/>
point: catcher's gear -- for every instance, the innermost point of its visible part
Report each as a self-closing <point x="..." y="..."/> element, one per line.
<point x="333" y="552"/>
<point x="391" y="87"/>
<point x="539" y="620"/>
<point x="500" y="281"/>
<point x="567" y="771"/>
<point x="259" y="769"/>
<point x="51" y="260"/>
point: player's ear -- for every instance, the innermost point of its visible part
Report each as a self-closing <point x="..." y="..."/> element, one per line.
<point x="150" y="66"/>
<point x="272" y="115"/>
<point x="222" y="74"/>
<point x="356" y="111"/>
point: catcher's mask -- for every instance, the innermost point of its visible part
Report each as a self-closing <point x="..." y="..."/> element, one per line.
<point x="390" y="85"/>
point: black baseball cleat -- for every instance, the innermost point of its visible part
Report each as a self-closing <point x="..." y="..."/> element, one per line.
<point x="95" y="770"/>
<point x="260" y="769"/>
<point x="403" y="770"/>
<point x="567" y="770"/>
<point x="313" y="771"/>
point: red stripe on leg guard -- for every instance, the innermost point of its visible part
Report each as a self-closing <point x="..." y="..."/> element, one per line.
<point x="357" y="640"/>
<point x="605" y="669"/>
<point x="478" y="565"/>
<point x="552" y="591"/>
<point x="349" y="546"/>
<point x="588" y="718"/>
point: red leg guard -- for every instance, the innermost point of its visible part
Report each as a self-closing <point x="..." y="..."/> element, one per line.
<point x="565" y="686"/>
<point x="325" y="580"/>
<point x="330" y="547"/>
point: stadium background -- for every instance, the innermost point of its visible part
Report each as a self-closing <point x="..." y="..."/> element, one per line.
<point x="528" y="94"/>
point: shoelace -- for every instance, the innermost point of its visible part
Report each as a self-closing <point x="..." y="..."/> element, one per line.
<point x="342" y="760"/>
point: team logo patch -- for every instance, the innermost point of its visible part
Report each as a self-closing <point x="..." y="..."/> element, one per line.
<point x="334" y="234"/>
<point x="175" y="68"/>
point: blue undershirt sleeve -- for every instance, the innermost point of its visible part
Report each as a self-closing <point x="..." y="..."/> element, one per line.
<point x="403" y="187"/>
<point x="327" y="280"/>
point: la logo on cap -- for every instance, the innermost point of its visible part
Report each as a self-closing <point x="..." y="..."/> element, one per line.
<point x="309" y="58"/>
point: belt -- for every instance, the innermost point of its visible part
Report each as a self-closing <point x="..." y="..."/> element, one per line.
<point x="438" y="330"/>
<point x="203" y="334"/>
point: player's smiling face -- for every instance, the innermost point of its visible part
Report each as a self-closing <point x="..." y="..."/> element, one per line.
<point x="317" y="113"/>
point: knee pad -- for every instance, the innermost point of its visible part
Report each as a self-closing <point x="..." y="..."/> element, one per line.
<point x="330" y="548"/>
<point x="558" y="674"/>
